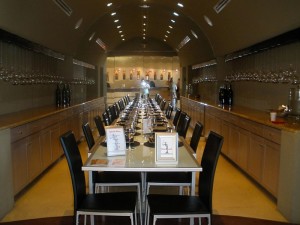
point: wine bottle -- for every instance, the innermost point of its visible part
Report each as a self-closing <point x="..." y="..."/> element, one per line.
<point x="64" y="96"/>
<point x="58" y="96"/>
<point x="222" y="96"/>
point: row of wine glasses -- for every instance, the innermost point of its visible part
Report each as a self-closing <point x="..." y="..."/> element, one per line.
<point x="288" y="75"/>
<point x="20" y="66"/>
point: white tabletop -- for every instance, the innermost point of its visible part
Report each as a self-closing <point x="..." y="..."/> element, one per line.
<point x="139" y="159"/>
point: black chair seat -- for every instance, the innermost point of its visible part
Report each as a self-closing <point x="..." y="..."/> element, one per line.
<point x="112" y="201"/>
<point x="183" y="204"/>
<point x="166" y="177"/>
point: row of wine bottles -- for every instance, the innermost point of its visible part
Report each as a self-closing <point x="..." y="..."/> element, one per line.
<point x="225" y="95"/>
<point x="63" y="95"/>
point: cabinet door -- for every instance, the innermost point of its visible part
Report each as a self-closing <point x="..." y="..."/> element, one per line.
<point x="271" y="167"/>
<point x="19" y="164"/>
<point x="34" y="156"/>
<point x="55" y="144"/>
<point x="234" y="140"/>
<point x="256" y="157"/>
<point x="225" y="133"/>
<point x="243" y="151"/>
<point x="46" y="148"/>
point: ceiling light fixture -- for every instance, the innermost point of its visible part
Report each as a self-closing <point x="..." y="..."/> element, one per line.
<point x="120" y="31"/>
<point x="116" y="21"/>
<point x="207" y="20"/>
<point x="170" y="27"/>
<point x="119" y="26"/>
<point x="145" y="6"/>
<point x="92" y="36"/>
<point x="113" y="13"/>
<point x="180" y="4"/>
<point x="173" y="21"/>
<point x="168" y="31"/>
<point x="64" y="7"/>
<point x="175" y="14"/>
<point x="183" y="42"/>
<point x="101" y="44"/>
<point x="194" y="34"/>
<point x="109" y="4"/>
<point x="78" y="24"/>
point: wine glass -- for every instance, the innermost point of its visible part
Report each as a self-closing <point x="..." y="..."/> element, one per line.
<point x="131" y="133"/>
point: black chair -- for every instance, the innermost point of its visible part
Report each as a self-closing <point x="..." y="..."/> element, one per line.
<point x="106" y="118"/>
<point x="181" y="206"/>
<point x="162" y="104"/>
<point x="183" y="124"/>
<point x="196" y="136"/>
<point x="169" y="111"/>
<point x="99" y="125"/>
<point x="88" y="135"/>
<point x="176" y="116"/>
<point x="112" y="179"/>
<point x="104" y="204"/>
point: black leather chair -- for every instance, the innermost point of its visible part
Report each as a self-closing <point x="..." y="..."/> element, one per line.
<point x="181" y="206"/>
<point x="106" y="118"/>
<point x="169" y="111"/>
<point x="99" y="125"/>
<point x="196" y="136"/>
<point x="162" y="104"/>
<point x="112" y="179"/>
<point x="109" y="204"/>
<point x="183" y="124"/>
<point x="176" y="116"/>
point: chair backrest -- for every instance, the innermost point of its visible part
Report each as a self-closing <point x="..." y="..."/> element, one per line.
<point x="99" y="125"/>
<point x="112" y="111"/>
<point x="176" y="117"/>
<point x="74" y="160"/>
<point x="105" y="118"/>
<point x="183" y="125"/>
<point x="196" y="136"/>
<point x="209" y="163"/>
<point x="162" y="104"/>
<point x="180" y="121"/>
<point x="169" y="111"/>
<point x="88" y="135"/>
<point x="109" y="116"/>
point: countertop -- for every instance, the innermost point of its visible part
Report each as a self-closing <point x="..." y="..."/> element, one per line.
<point x="25" y="116"/>
<point x="259" y="116"/>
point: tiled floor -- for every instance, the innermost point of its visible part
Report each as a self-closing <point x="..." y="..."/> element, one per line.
<point x="234" y="194"/>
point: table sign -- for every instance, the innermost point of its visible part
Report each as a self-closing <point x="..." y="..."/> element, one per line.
<point x="147" y="126"/>
<point x="166" y="148"/>
<point x="115" y="139"/>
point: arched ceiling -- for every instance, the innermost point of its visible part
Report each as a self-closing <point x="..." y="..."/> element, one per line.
<point x="240" y="24"/>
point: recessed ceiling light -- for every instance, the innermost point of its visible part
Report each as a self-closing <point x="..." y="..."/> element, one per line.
<point x="145" y="16"/>
<point x="119" y="26"/>
<point x="173" y="21"/>
<point x="208" y="21"/>
<point x="145" y="6"/>
<point x="166" y="36"/>
<point x="144" y="29"/>
<point x="144" y="24"/>
<point x="195" y="35"/>
<point x="180" y="4"/>
<point x="109" y="4"/>
<point x="123" y="39"/>
<point x="122" y="35"/>
<point x="168" y="31"/>
<point x="170" y="27"/>
<point x="144" y="38"/>
<point x="175" y="14"/>
<point x="78" y="24"/>
<point x="120" y="31"/>
<point x="113" y="13"/>
<point x="92" y="36"/>
<point x="116" y="21"/>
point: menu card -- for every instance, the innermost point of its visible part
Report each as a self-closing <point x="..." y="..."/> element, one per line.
<point x="147" y="126"/>
<point x="115" y="139"/>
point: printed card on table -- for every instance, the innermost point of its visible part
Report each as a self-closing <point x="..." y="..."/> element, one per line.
<point x="166" y="148"/>
<point x="115" y="138"/>
<point x="147" y="126"/>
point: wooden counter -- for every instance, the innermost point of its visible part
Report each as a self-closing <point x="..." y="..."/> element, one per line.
<point x="30" y="143"/>
<point x="267" y="152"/>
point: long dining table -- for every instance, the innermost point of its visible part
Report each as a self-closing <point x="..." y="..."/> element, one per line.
<point x="141" y="158"/>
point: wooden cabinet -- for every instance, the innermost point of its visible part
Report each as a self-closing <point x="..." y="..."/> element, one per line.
<point x="256" y="157"/>
<point x="19" y="164"/>
<point x="243" y="150"/>
<point x="35" y="145"/>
